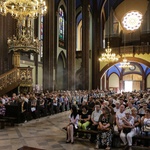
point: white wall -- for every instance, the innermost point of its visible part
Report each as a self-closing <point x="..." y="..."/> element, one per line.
<point x="148" y="81"/>
<point x="114" y="81"/>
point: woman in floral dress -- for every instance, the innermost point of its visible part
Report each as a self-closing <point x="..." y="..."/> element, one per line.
<point x="105" y="126"/>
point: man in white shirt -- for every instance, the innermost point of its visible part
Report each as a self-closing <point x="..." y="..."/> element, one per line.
<point x="119" y="115"/>
<point x="94" y="119"/>
<point x="117" y="106"/>
<point x="128" y="123"/>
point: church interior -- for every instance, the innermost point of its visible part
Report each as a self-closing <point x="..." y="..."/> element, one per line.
<point x="70" y="45"/>
<point x="61" y="49"/>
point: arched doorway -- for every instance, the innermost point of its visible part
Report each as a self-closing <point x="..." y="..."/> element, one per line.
<point x="132" y="82"/>
<point x="61" y="73"/>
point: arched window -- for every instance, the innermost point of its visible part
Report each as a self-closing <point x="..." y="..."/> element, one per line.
<point x="61" y="28"/>
<point x="41" y="36"/>
<point x="79" y="32"/>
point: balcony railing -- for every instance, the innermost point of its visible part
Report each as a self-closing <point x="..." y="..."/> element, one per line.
<point x="21" y="76"/>
<point x="9" y="78"/>
<point x="141" y="49"/>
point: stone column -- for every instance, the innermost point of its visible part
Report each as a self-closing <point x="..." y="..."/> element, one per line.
<point x="85" y="43"/>
<point x="35" y="25"/>
<point x="143" y="84"/>
<point x="95" y="46"/>
<point x="106" y="82"/>
<point x="71" y="44"/>
<point x="48" y="48"/>
<point x="7" y="29"/>
<point x="121" y="83"/>
<point x="1" y="44"/>
<point x="101" y="84"/>
<point x="36" y="67"/>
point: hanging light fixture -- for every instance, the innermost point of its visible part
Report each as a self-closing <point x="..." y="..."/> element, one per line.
<point x="125" y="64"/>
<point x="20" y="9"/>
<point x="108" y="56"/>
<point x="25" y="11"/>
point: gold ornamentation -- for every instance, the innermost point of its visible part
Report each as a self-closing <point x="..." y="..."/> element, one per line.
<point x="108" y="56"/>
<point x="25" y="11"/>
<point x="22" y="76"/>
<point x="20" y="9"/>
<point x="125" y="64"/>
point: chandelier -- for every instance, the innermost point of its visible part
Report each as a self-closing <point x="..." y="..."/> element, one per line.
<point x="125" y="64"/>
<point x="24" y="11"/>
<point x="132" y="20"/>
<point x="20" y="9"/>
<point x="108" y="56"/>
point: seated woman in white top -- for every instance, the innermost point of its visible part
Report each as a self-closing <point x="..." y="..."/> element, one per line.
<point x="73" y="124"/>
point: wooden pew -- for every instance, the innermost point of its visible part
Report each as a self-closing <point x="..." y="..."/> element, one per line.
<point x="2" y="123"/>
<point x="10" y="120"/>
<point x="13" y="113"/>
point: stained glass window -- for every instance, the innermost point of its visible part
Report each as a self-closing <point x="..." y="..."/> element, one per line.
<point x="41" y="36"/>
<point x="61" y="28"/>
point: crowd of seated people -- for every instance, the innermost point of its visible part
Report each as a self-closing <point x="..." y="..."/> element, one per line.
<point x="36" y="105"/>
<point x="127" y="113"/>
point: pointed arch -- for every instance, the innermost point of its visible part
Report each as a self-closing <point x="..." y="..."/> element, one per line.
<point x="138" y="60"/>
<point x="61" y="24"/>
<point x="61" y="82"/>
<point x="63" y="57"/>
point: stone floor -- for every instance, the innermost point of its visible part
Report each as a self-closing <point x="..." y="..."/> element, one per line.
<point x="44" y="133"/>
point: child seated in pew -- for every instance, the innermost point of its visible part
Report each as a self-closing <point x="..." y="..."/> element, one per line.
<point x="84" y="119"/>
